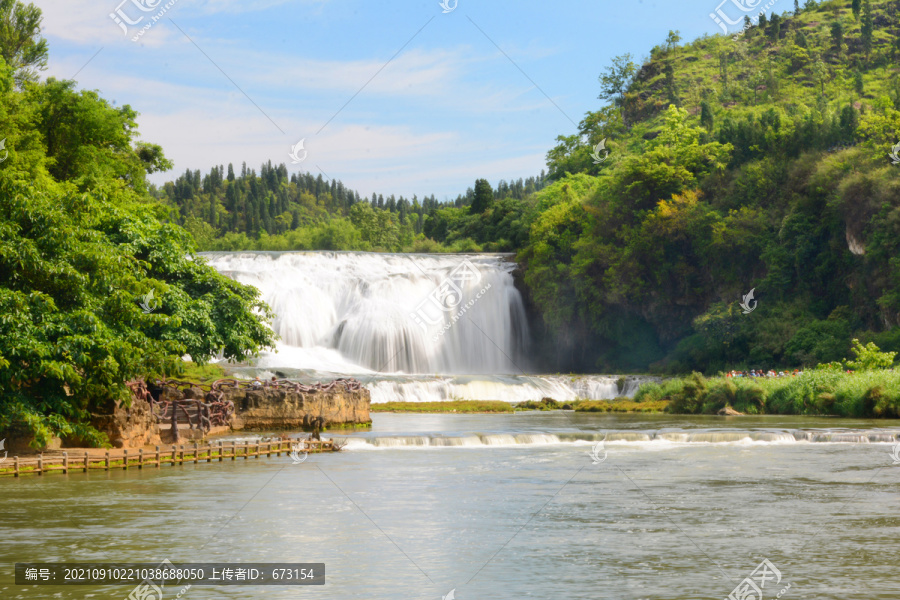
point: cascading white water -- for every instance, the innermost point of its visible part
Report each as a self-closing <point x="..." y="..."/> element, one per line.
<point x="413" y="328"/>
<point x="353" y="312"/>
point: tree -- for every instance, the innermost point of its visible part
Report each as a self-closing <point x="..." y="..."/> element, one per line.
<point x="618" y="76"/>
<point x="706" y="116"/>
<point x="867" y="29"/>
<point x="484" y="197"/>
<point x="21" y="44"/>
<point x="775" y="28"/>
<point x="856" y="6"/>
<point x="796" y="8"/>
<point x="672" y="41"/>
<point x="858" y="84"/>
<point x="837" y="34"/>
<point x="869" y="357"/>
<point x="820" y="73"/>
<point x="671" y="90"/>
<point x="810" y="5"/>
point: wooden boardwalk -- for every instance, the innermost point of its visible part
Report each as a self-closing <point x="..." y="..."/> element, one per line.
<point x="138" y="459"/>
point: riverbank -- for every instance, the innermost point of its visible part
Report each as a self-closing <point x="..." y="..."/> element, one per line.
<point x="861" y="394"/>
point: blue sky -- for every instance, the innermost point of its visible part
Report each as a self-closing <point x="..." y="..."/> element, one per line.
<point x="449" y="108"/>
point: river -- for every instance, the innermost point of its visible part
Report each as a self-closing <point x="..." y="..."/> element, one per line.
<point x="503" y="507"/>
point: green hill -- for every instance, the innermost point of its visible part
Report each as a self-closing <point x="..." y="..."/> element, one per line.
<point x="759" y="161"/>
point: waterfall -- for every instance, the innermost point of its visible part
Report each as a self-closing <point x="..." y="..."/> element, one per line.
<point x="356" y="312"/>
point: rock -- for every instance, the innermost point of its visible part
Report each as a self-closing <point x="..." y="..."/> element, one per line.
<point x="277" y="408"/>
<point x="132" y="427"/>
<point x="729" y="412"/>
<point x="169" y="394"/>
<point x="194" y="393"/>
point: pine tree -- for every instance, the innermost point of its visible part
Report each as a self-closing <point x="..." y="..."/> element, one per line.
<point x="706" y="116"/>
<point x="868" y="28"/>
<point x="775" y="28"/>
<point x="796" y="8"/>
<point x="670" y="83"/>
<point x="484" y="197"/>
<point x="837" y="34"/>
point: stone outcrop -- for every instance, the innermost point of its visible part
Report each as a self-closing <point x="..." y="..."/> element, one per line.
<point x="262" y="408"/>
<point x="131" y="427"/>
<point x="276" y="408"/>
<point x="729" y="412"/>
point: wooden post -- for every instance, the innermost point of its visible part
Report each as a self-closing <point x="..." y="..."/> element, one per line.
<point x="107" y="460"/>
<point x="141" y="458"/>
<point x="174" y="422"/>
<point x="40" y="464"/>
<point x="246" y="450"/>
<point x="181" y="454"/>
<point x="209" y="448"/>
<point x="157" y="457"/>
<point x="125" y="458"/>
<point x="86" y="462"/>
<point x="233" y="450"/>
<point x="257" y="449"/>
<point x="221" y="450"/>
<point x="16" y="464"/>
<point x="174" y="451"/>
<point x="65" y="463"/>
<point x="196" y="452"/>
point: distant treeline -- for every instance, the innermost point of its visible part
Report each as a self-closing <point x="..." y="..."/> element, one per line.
<point x="275" y="210"/>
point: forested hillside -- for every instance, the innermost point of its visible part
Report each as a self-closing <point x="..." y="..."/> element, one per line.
<point x="754" y="162"/>
<point x="272" y="211"/>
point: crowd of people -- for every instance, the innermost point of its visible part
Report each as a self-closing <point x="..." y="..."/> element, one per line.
<point x="761" y="373"/>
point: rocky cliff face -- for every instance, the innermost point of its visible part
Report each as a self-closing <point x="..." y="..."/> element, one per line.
<point x="271" y="408"/>
<point x="131" y="427"/>
<point x="288" y="409"/>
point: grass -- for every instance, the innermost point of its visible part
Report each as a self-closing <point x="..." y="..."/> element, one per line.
<point x="863" y="394"/>
<point x="201" y="373"/>
<point x="455" y="406"/>
<point x="623" y="405"/>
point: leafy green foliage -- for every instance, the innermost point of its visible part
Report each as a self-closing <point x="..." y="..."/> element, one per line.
<point x="94" y="289"/>
<point x="21" y="45"/>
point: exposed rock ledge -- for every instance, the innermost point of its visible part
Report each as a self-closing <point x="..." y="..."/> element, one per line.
<point x="264" y="408"/>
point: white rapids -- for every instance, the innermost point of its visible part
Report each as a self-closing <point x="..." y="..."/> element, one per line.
<point x="411" y="327"/>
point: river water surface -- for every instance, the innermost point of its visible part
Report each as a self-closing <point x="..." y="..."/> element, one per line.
<point x="501" y="506"/>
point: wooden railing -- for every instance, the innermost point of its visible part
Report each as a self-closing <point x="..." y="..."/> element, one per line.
<point x="178" y="455"/>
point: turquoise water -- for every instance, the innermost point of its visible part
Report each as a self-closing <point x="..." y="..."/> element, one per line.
<point x="523" y="512"/>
